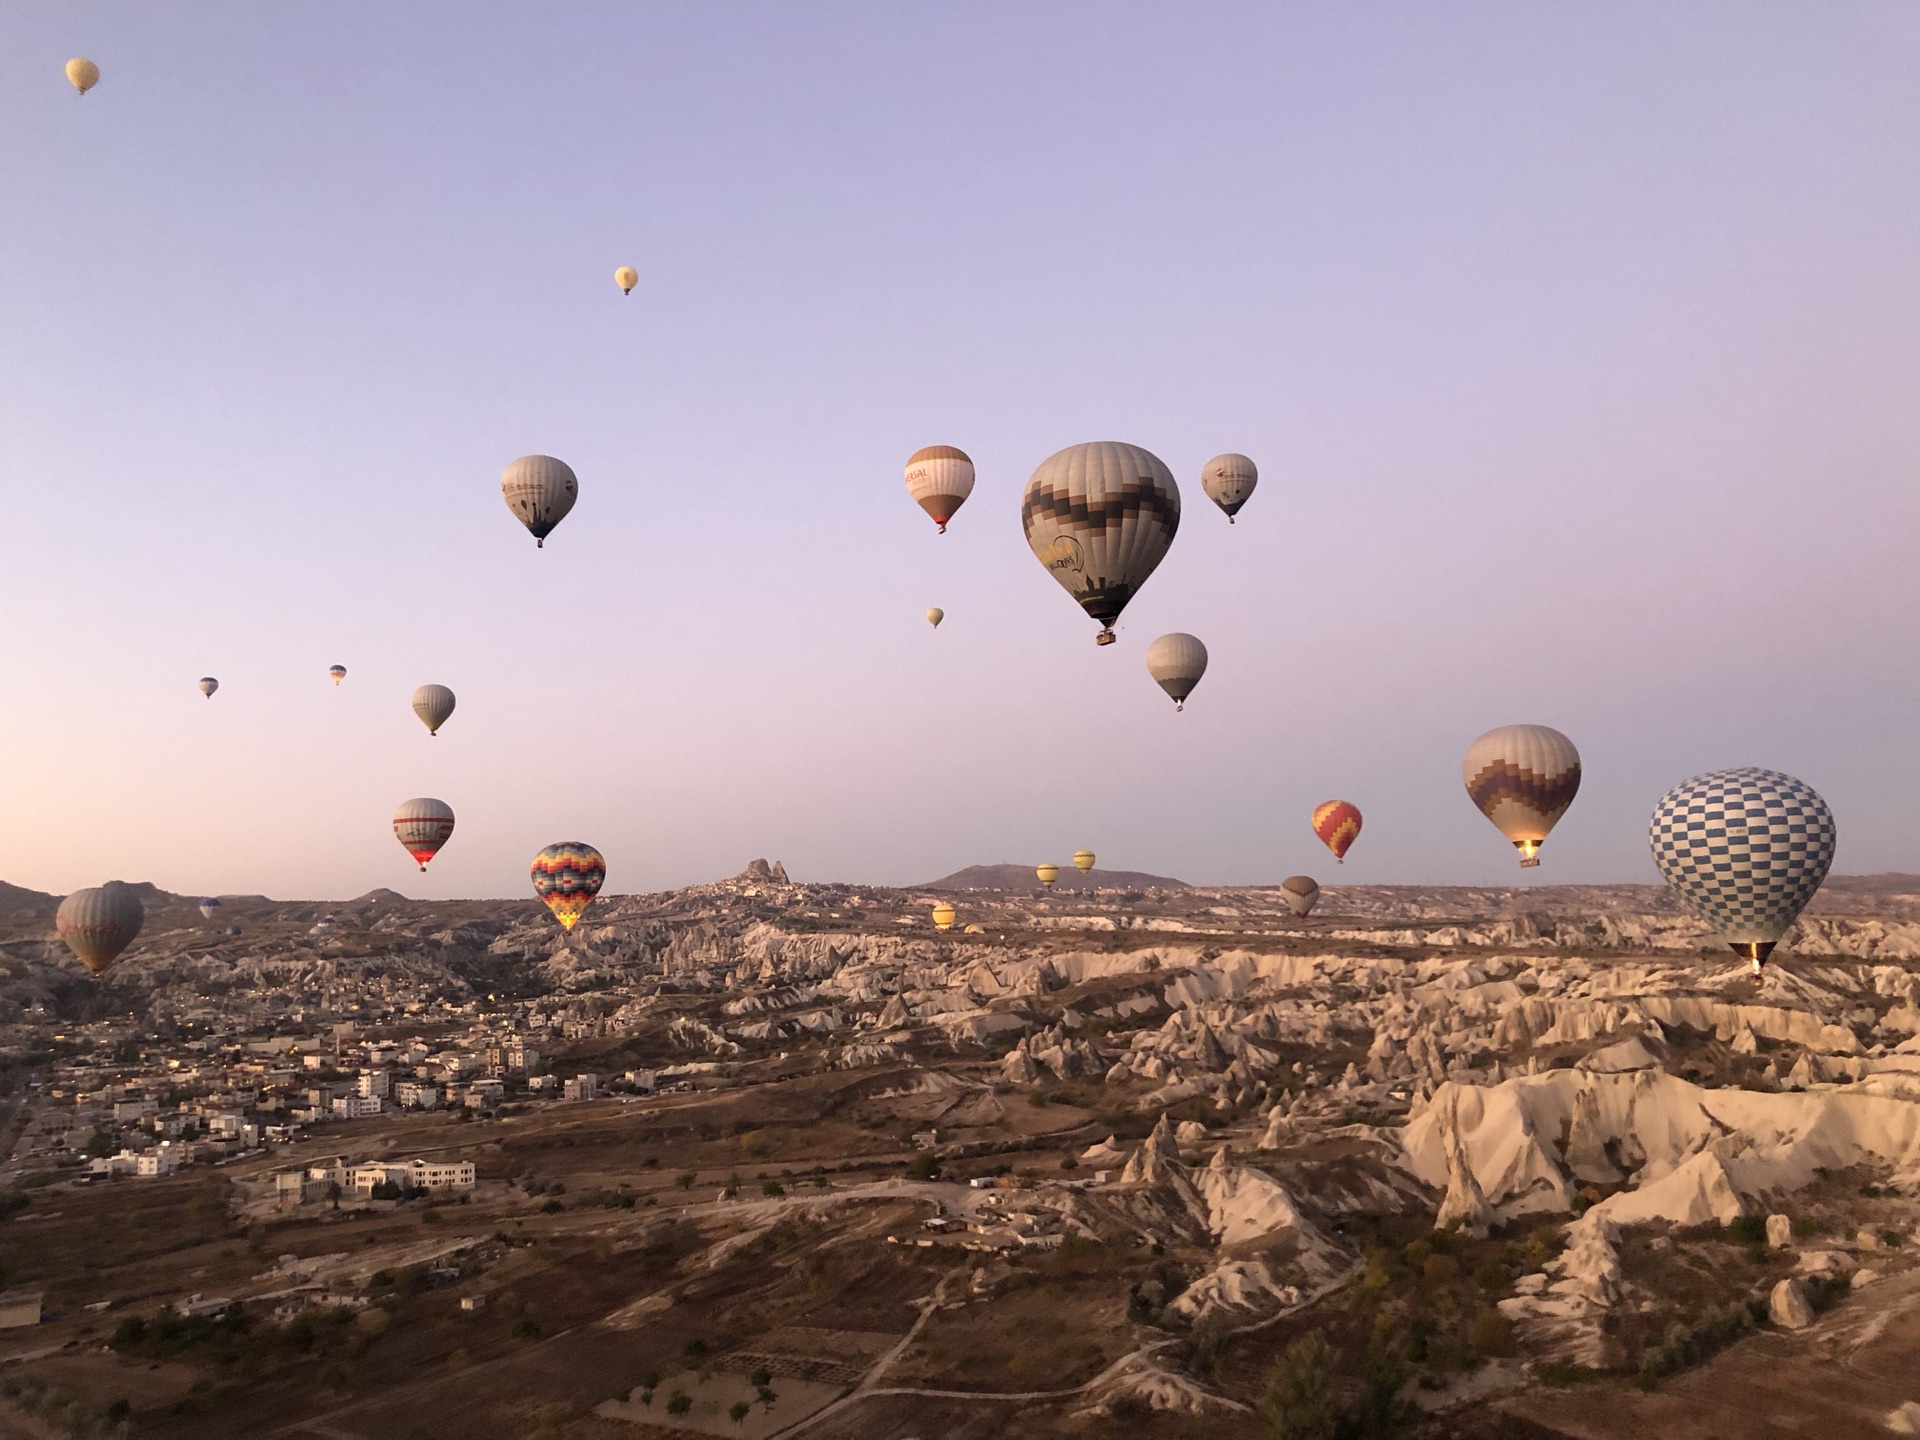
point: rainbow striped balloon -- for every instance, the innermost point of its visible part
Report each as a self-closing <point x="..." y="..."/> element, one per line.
<point x="1337" y="823"/>
<point x="567" y="876"/>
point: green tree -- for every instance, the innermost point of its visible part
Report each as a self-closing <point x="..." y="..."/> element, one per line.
<point x="739" y="1412"/>
<point x="679" y="1403"/>
<point x="1299" y="1402"/>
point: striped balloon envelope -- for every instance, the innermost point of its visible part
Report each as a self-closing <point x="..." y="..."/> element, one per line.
<point x="939" y="478"/>
<point x="1523" y="778"/>
<point x="567" y="876"/>
<point x="98" y="924"/>
<point x="1100" y="517"/>
<point x="422" y="825"/>
<point x="1337" y="823"/>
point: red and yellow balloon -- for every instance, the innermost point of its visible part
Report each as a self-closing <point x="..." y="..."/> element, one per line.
<point x="1337" y="823"/>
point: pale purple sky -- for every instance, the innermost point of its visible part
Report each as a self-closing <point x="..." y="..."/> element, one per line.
<point x="1578" y="346"/>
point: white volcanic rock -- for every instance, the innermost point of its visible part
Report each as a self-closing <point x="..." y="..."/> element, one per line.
<point x="1247" y="1204"/>
<point x="1752" y="1143"/>
<point x="1779" y="1232"/>
<point x="1106" y="1153"/>
<point x="1629" y="1054"/>
<point x="1788" y="1306"/>
<point x="1189" y="1132"/>
<point x="1905" y="1420"/>
<point x="1242" y="1285"/>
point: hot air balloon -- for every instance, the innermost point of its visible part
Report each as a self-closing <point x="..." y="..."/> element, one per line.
<point x="1523" y="778"/>
<point x="939" y="478"/>
<point x="567" y="876"/>
<point x="1083" y="861"/>
<point x="1337" y="823"/>
<point x="422" y="827"/>
<point x="1176" y="663"/>
<point x="1302" y="893"/>
<point x="208" y="685"/>
<point x="433" y="704"/>
<point x="1744" y="850"/>
<point x="1047" y="873"/>
<point x="943" y="916"/>
<point x="935" y="616"/>
<point x="209" y="907"/>
<point x="540" y="490"/>
<point x="82" y="74"/>
<point x="626" y="277"/>
<point x="337" y="673"/>
<point x="233" y="930"/>
<point x="1100" y="518"/>
<point x="98" y="924"/>
<point x="1229" y="480"/>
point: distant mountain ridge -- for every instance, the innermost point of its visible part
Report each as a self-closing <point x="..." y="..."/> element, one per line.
<point x="1021" y="878"/>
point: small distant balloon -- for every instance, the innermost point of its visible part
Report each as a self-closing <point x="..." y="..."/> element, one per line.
<point x="337" y="673"/>
<point x="98" y="924"/>
<point x="943" y="916"/>
<point x="539" y="490"/>
<point x="208" y="685"/>
<point x="935" y="616"/>
<point x="1302" y="893"/>
<point x="1229" y="480"/>
<point x="1083" y="861"/>
<point x="1176" y="662"/>
<point x="1337" y="823"/>
<point x="626" y="277"/>
<point x="567" y="876"/>
<point x="422" y="826"/>
<point x="82" y="74"/>
<point x="1047" y="873"/>
<point x="939" y="478"/>
<point x="233" y="929"/>
<point x="209" y="907"/>
<point x="433" y="704"/>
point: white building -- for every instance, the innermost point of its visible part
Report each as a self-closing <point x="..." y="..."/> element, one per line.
<point x="374" y="1084"/>
<point x="582" y="1087"/>
<point x="485" y="1094"/>
<point x="356" y="1107"/>
<point x="163" y="1159"/>
<point x="543" y="1084"/>
<point x="415" y="1096"/>
<point x="413" y="1175"/>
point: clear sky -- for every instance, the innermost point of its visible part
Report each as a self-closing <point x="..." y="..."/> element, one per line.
<point x="1579" y="348"/>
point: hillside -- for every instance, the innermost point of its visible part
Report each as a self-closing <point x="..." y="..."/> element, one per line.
<point x="1020" y="878"/>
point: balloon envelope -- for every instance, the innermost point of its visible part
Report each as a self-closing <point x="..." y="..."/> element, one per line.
<point x="82" y="74"/>
<point x="939" y="478"/>
<point x="1744" y="850"/>
<point x="337" y="673"/>
<point x="1177" y="662"/>
<point x="433" y="704"/>
<point x="1047" y="873"/>
<point x="422" y="826"/>
<point x="935" y="616"/>
<point x="1229" y="480"/>
<point x="540" y="490"/>
<point x="1523" y="778"/>
<point x="98" y="924"/>
<point x="1301" y="892"/>
<point x="1100" y="517"/>
<point x="1337" y="823"/>
<point x="943" y="916"/>
<point x="626" y="277"/>
<point x="1083" y="861"/>
<point x="208" y="685"/>
<point x="209" y="907"/>
<point x="567" y="876"/>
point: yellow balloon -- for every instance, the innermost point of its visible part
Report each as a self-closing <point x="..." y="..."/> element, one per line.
<point x="943" y="916"/>
<point x="626" y="277"/>
<point x="82" y="74"/>
<point x="1083" y="860"/>
<point x="1047" y="873"/>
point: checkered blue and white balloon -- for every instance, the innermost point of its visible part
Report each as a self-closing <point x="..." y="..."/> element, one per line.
<point x="1744" y="850"/>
